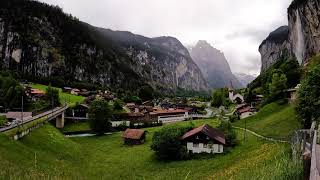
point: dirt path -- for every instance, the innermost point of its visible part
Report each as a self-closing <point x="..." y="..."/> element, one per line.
<point x="260" y="136"/>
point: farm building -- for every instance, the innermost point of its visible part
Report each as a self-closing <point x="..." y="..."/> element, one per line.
<point x="134" y="136"/>
<point x="204" y="139"/>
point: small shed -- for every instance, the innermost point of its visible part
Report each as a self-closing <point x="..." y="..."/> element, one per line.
<point x="134" y="136"/>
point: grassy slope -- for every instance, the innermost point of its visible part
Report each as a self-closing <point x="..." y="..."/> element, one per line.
<point x="64" y="97"/>
<point x="106" y="157"/>
<point x="273" y="120"/>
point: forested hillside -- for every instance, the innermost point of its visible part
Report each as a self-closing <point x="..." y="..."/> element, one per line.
<point x="42" y="43"/>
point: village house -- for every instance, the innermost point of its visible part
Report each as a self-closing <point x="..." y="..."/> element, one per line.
<point x="235" y="98"/>
<point x="75" y="91"/>
<point x="244" y="111"/>
<point x="67" y="89"/>
<point x="291" y="94"/>
<point x="134" y="136"/>
<point x="204" y="139"/>
<point x="80" y="110"/>
<point x="34" y="94"/>
<point x="171" y="115"/>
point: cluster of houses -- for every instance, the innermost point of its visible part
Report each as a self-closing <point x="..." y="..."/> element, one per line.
<point x="203" y="139"/>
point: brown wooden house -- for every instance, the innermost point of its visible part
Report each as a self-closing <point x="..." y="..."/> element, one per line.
<point x="204" y="139"/>
<point x="134" y="136"/>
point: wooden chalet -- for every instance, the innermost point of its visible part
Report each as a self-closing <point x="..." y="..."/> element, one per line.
<point x="134" y="136"/>
<point x="204" y="139"/>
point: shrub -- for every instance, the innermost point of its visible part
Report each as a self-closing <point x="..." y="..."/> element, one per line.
<point x="308" y="97"/>
<point x="234" y="118"/>
<point x="53" y="96"/>
<point x="167" y="145"/>
<point x="230" y="134"/>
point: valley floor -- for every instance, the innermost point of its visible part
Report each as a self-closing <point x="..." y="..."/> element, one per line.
<point x="46" y="153"/>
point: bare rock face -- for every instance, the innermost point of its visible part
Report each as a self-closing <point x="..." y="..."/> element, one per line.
<point x="275" y="47"/>
<point x="163" y="61"/>
<point x="304" y="25"/>
<point x="300" y="40"/>
<point x="213" y="65"/>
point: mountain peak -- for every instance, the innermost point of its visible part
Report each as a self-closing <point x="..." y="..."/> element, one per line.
<point x="213" y="65"/>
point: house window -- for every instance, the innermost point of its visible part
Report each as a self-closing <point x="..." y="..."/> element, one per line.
<point x="219" y="148"/>
<point x="205" y="145"/>
<point x="197" y="137"/>
<point x="195" y="145"/>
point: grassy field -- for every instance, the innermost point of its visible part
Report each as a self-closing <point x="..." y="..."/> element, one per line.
<point x="46" y="153"/>
<point x="64" y="97"/>
<point x="80" y="126"/>
<point x="273" y="120"/>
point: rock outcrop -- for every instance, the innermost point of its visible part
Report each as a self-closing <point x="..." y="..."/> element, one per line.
<point x="41" y="42"/>
<point x="213" y="65"/>
<point x="276" y="46"/>
<point x="304" y="24"/>
<point x="300" y="40"/>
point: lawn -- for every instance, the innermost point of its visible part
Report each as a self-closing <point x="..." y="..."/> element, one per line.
<point x="273" y="120"/>
<point x="80" y="126"/>
<point x="46" y="153"/>
<point x="72" y="100"/>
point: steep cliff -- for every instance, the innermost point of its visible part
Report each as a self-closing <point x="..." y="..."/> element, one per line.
<point x="304" y="24"/>
<point x="300" y="40"/>
<point x="162" y="60"/>
<point x="41" y="42"/>
<point x="213" y="65"/>
<point x="275" y="47"/>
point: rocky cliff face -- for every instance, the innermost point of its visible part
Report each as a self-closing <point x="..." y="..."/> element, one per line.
<point x="300" y="40"/>
<point x="304" y="24"/>
<point x="40" y="41"/>
<point x="275" y="47"/>
<point x="213" y="65"/>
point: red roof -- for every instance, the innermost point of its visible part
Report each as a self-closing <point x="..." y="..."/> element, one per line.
<point x="243" y="110"/>
<point x="37" y="91"/>
<point x="174" y="111"/>
<point x="133" y="133"/>
<point x="207" y="130"/>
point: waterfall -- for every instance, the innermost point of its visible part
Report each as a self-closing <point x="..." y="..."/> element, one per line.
<point x="299" y="47"/>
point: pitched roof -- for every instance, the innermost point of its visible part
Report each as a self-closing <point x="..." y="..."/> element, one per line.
<point x="37" y="91"/>
<point x="245" y="109"/>
<point x="133" y="133"/>
<point x="174" y="111"/>
<point x="207" y="130"/>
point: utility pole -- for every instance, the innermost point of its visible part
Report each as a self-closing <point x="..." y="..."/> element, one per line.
<point x="245" y="129"/>
<point x="22" y="109"/>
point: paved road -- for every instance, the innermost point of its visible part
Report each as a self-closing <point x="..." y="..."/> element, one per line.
<point x="51" y="113"/>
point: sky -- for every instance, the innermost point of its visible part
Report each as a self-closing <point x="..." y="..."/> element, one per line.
<point x="236" y="27"/>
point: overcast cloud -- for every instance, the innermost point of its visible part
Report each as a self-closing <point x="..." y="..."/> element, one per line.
<point x="236" y="27"/>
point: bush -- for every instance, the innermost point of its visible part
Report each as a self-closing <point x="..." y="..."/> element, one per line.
<point x="53" y="96"/>
<point x="308" y="97"/>
<point x="117" y="105"/>
<point x="167" y="145"/>
<point x="3" y="120"/>
<point x="230" y="134"/>
<point x="234" y="118"/>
